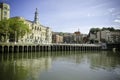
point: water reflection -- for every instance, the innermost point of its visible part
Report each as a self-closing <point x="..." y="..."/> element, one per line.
<point x="23" y="66"/>
<point x="105" y="60"/>
<point x="45" y="65"/>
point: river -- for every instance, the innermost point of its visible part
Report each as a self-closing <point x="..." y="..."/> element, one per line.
<point x="62" y="65"/>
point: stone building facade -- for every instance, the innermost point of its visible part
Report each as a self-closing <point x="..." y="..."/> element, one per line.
<point x="4" y="11"/>
<point x="77" y="37"/>
<point x="106" y="36"/>
<point x="39" y="34"/>
<point x="57" y="38"/>
<point x="103" y="35"/>
<point x="114" y="37"/>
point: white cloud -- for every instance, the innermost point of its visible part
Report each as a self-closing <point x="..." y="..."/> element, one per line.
<point x="116" y="13"/>
<point x="117" y="21"/>
<point x="118" y="16"/>
<point x="111" y="10"/>
<point x="90" y="15"/>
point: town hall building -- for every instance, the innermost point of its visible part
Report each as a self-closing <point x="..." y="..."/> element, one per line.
<point x="39" y="34"/>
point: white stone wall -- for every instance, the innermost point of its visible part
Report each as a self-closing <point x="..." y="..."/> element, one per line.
<point x="115" y="36"/>
<point x="92" y="36"/>
<point x="39" y="34"/>
<point x="109" y="36"/>
<point x="4" y="11"/>
<point x="103" y="35"/>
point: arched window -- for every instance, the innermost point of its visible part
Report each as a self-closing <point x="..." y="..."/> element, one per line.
<point x="5" y="8"/>
<point x="40" y="29"/>
<point x="35" y="27"/>
<point x="32" y="27"/>
<point x="5" y="13"/>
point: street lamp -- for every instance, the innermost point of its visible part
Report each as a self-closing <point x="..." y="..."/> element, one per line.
<point x="15" y="37"/>
<point x="6" y="36"/>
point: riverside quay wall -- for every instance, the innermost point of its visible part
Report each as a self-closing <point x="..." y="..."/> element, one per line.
<point x="12" y="47"/>
<point x="113" y="46"/>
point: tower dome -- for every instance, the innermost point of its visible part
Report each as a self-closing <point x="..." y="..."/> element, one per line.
<point x="36" y="19"/>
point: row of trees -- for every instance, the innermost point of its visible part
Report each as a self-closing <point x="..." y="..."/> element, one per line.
<point x="94" y="30"/>
<point x="12" y="29"/>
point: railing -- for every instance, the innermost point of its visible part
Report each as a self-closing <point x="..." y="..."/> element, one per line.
<point x="13" y="43"/>
<point x="30" y="47"/>
<point x="77" y="44"/>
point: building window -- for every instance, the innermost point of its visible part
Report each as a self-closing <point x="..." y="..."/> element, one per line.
<point x="35" y="27"/>
<point x="40" y="29"/>
<point x="5" y="13"/>
<point x="5" y="8"/>
<point x="32" y="27"/>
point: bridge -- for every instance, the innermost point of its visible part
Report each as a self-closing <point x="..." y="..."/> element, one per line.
<point x="29" y="47"/>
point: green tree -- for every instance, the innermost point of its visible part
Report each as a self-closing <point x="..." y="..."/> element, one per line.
<point x="4" y="28"/>
<point x="109" y="28"/>
<point x="13" y="28"/>
<point x="94" y="30"/>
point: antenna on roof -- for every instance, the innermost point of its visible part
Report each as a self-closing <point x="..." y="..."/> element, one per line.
<point x="78" y="29"/>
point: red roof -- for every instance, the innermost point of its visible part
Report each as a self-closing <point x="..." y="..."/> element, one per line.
<point x="77" y="33"/>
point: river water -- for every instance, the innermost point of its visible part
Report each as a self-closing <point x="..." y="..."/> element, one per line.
<point x="74" y="65"/>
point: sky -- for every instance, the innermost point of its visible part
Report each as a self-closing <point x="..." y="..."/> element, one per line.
<point x="69" y="15"/>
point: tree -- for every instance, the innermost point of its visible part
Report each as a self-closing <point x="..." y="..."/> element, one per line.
<point x="94" y="30"/>
<point x="109" y="28"/>
<point x="4" y="28"/>
<point x="18" y="28"/>
<point x="13" y="28"/>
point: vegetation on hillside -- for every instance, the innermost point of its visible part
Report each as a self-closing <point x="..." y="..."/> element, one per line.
<point x="95" y="30"/>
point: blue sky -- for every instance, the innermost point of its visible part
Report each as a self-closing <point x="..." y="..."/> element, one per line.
<point x="69" y="15"/>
